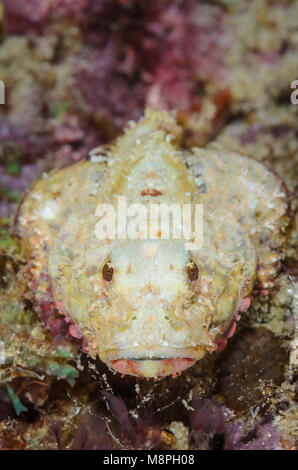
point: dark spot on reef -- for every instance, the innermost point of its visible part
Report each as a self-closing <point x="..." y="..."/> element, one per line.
<point x="254" y="358"/>
<point x="217" y="442"/>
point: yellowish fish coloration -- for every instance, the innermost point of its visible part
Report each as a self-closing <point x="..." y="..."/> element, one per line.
<point x="148" y="307"/>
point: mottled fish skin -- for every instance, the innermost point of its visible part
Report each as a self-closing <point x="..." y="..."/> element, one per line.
<point x="151" y="318"/>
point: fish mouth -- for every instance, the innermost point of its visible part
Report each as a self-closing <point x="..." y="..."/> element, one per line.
<point x="160" y="362"/>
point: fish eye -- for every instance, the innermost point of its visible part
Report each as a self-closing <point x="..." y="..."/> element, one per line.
<point x="192" y="271"/>
<point x="108" y="272"/>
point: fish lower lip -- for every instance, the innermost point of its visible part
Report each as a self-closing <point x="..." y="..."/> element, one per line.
<point x="152" y="367"/>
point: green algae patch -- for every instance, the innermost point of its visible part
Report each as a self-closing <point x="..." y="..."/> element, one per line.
<point x="7" y="243"/>
<point x="16" y="403"/>
<point x="64" y="353"/>
<point x="12" y="314"/>
<point x="64" y="371"/>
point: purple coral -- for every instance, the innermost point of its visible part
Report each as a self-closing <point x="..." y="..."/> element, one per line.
<point x="136" y="432"/>
<point x="207" y="424"/>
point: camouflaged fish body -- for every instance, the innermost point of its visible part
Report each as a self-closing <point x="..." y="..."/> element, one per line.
<point x="150" y="307"/>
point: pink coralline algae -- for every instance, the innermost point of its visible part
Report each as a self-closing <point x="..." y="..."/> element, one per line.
<point x="166" y="53"/>
<point x="21" y="16"/>
<point x="190" y="54"/>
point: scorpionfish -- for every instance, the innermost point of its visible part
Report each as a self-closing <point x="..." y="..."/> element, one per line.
<point x="148" y="306"/>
